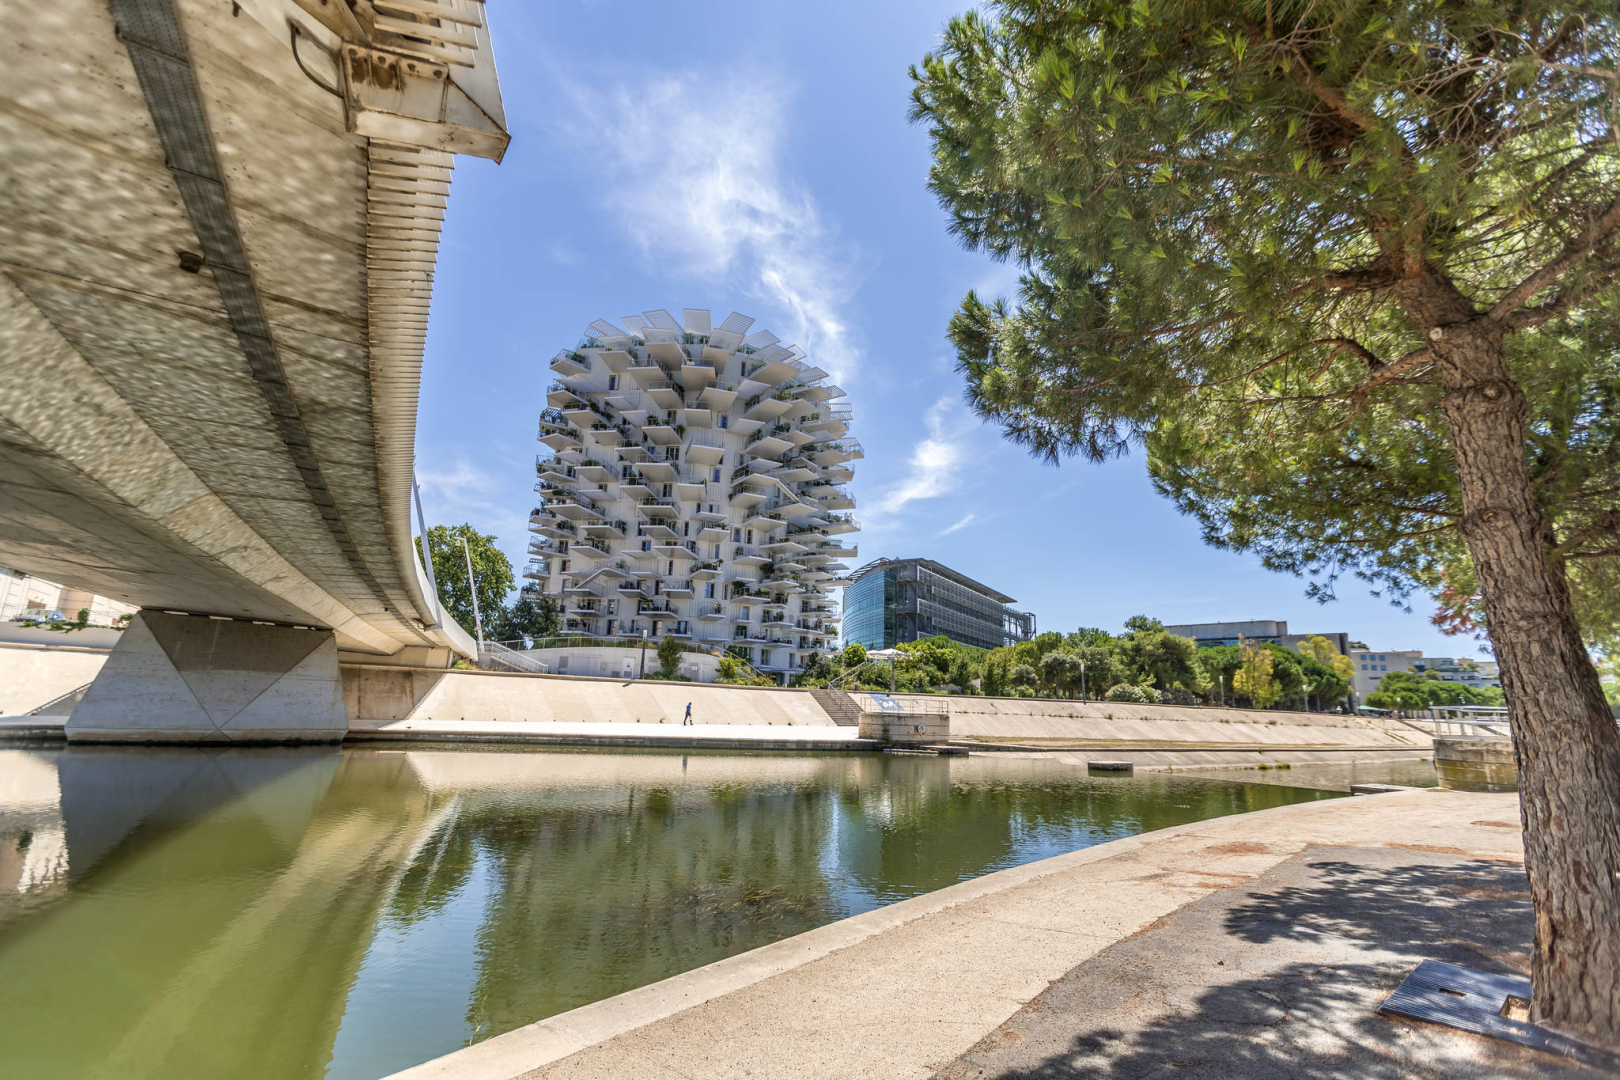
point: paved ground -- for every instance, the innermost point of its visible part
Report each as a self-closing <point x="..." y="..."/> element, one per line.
<point x="1281" y="979"/>
<point x="1255" y="945"/>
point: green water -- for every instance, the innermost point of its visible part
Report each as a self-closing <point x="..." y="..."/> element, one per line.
<point x="347" y="913"/>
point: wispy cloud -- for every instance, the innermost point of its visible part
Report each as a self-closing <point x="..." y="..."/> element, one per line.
<point x="692" y="165"/>
<point x="462" y="492"/>
<point x="967" y="520"/>
<point x="935" y="464"/>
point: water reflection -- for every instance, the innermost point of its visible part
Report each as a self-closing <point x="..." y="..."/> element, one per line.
<point x="346" y="913"/>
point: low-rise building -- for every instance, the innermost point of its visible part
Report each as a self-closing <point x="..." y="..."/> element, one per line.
<point x="895" y="600"/>
<point x="24" y="594"/>
<point x="1274" y="631"/>
<point x="1373" y="665"/>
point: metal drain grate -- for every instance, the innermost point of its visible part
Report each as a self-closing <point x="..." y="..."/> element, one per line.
<point x="1474" y="1001"/>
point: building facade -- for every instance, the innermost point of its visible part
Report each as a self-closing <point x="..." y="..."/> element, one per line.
<point x="22" y="595"/>
<point x="694" y="487"/>
<point x="895" y="600"/>
<point x="1274" y="631"/>
<point x="1371" y="666"/>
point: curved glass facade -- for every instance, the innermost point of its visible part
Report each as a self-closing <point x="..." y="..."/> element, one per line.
<point x="869" y="613"/>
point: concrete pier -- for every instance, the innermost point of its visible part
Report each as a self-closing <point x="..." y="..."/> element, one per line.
<point x="1475" y="764"/>
<point x="195" y="679"/>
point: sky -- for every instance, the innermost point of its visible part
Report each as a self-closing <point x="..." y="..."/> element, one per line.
<point x="758" y="158"/>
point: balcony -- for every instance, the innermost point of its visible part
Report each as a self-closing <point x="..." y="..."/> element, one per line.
<point x="711" y="610"/>
<point x="680" y="589"/>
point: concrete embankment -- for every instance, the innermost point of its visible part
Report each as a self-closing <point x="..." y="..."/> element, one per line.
<point x="1254" y="945"/>
<point x="384" y="701"/>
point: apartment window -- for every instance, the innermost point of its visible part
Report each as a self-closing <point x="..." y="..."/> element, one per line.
<point x="736" y="534"/>
<point x="565" y="566"/>
<point x="716" y="476"/>
<point x="658" y="587"/>
<point x="646" y="545"/>
<point x="613" y="382"/>
<point x="717" y="551"/>
<point x="725" y="421"/>
<point x="1383" y="667"/>
<point x="611" y="624"/>
<point x="708" y="591"/>
<point x="667" y="489"/>
<point x="671" y="570"/>
<point x="749" y="536"/>
<point x="624" y="472"/>
<point x="686" y="528"/>
<point x="656" y="624"/>
<point x="764" y="656"/>
<point x="716" y="480"/>
<point x="672" y="453"/>
<point x="613" y="607"/>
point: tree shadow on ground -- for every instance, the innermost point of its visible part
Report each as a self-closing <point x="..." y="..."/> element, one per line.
<point x="1283" y="980"/>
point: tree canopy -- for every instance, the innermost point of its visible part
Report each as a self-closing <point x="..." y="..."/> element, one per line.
<point x="1217" y="205"/>
<point x="492" y="572"/>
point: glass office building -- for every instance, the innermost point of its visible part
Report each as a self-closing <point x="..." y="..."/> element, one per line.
<point x="895" y="600"/>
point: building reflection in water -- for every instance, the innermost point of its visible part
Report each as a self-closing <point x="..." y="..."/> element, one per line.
<point x="346" y="913"/>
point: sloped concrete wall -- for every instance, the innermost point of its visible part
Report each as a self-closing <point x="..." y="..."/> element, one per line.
<point x="374" y="693"/>
<point x="1104" y="721"/>
<point x="32" y="678"/>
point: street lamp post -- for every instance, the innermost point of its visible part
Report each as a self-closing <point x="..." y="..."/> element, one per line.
<point x="472" y="587"/>
<point x="1083" y="695"/>
<point x="643" y="674"/>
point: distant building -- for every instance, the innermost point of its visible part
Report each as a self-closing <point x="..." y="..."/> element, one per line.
<point x="1274" y="631"/>
<point x="22" y="594"/>
<point x="1372" y="666"/>
<point x="895" y="600"/>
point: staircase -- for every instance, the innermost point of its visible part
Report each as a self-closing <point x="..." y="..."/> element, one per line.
<point x="838" y="706"/>
<point x="493" y="656"/>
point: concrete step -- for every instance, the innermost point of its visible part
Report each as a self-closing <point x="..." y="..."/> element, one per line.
<point x="838" y="706"/>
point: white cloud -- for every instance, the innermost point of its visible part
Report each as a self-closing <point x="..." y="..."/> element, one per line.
<point x="964" y="523"/>
<point x="691" y="164"/>
<point x="462" y="492"/>
<point x="935" y="464"/>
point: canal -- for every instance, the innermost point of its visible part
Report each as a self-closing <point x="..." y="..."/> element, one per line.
<point x="344" y="913"/>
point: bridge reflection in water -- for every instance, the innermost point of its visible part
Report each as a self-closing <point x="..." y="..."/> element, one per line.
<point x="346" y="913"/>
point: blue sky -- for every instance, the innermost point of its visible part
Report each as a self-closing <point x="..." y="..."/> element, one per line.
<point x="754" y="158"/>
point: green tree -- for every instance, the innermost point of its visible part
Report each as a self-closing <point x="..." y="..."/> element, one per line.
<point x="995" y="682"/>
<point x="1023" y="676"/>
<point x="1349" y="271"/>
<point x="491" y="571"/>
<point x="669" y="657"/>
<point x="534" y="618"/>
<point x="1152" y="656"/>
<point x="1100" y="671"/>
<point x="854" y="655"/>
<point x="1060" y="672"/>
<point x="1254" y="679"/>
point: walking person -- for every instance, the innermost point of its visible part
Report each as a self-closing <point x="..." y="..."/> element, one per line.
<point x="688" y="719"/>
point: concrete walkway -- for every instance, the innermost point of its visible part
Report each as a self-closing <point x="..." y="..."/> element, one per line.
<point x="1253" y="945"/>
<point x="704" y="736"/>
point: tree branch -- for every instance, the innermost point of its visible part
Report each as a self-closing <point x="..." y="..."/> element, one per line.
<point x="1572" y="253"/>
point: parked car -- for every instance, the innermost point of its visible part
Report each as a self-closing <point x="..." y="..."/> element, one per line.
<point x="36" y="615"/>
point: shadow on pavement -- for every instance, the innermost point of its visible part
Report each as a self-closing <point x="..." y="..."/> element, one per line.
<point x="1282" y="978"/>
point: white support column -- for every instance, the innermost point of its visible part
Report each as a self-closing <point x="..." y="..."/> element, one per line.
<point x="191" y="678"/>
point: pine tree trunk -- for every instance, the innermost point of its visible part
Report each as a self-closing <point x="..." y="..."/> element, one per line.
<point x="1565" y="737"/>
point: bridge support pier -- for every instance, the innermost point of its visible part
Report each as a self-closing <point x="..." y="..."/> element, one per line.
<point x="196" y="679"/>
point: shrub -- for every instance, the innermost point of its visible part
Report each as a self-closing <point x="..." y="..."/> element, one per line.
<point x="1127" y="692"/>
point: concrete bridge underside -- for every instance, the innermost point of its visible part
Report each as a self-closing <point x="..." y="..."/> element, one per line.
<point x="218" y="228"/>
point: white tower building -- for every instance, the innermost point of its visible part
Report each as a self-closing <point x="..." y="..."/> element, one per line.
<point x="694" y="489"/>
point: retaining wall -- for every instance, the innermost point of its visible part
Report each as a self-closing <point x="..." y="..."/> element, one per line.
<point x="32" y="677"/>
<point x="379" y="693"/>
<point x="1039" y="719"/>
